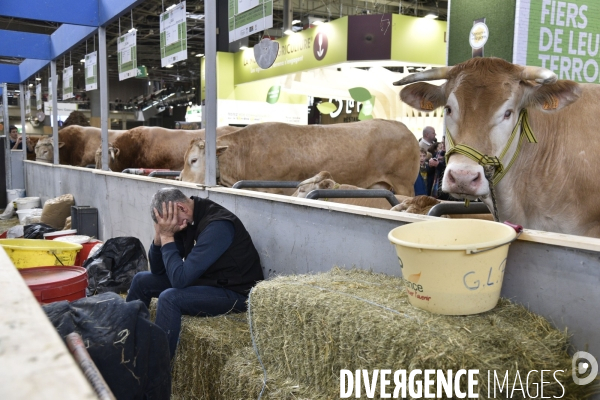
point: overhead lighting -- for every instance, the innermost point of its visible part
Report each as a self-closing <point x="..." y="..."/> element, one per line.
<point x="31" y="85"/>
<point x="38" y="78"/>
<point x="199" y="55"/>
<point x="243" y="47"/>
<point x="317" y="22"/>
<point x="171" y="7"/>
<point x="431" y="16"/>
<point x="288" y="32"/>
<point x="195" y="16"/>
<point x="178" y="78"/>
<point x="132" y="30"/>
<point x="82" y="61"/>
<point x="169" y="66"/>
<point x="296" y="21"/>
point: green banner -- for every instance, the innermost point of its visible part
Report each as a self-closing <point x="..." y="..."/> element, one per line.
<point x="258" y="17"/>
<point x="67" y="83"/>
<point x="173" y="35"/>
<point x="317" y="47"/>
<point x="91" y="71"/>
<point x="561" y="36"/>
<point x="127" y="51"/>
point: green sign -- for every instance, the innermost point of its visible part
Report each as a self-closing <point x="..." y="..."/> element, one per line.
<point x="317" y="47"/>
<point x="247" y="17"/>
<point x="142" y="72"/>
<point x="561" y="36"/>
<point x="173" y="35"/>
<point x="127" y="50"/>
<point x="91" y="71"/>
<point x="67" y="83"/>
<point x="419" y="40"/>
<point x="273" y="94"/>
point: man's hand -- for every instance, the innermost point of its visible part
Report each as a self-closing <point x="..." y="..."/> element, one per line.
<point x="168" y="224"/>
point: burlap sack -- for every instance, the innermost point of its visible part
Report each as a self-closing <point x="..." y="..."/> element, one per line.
<point x="57" y="210"/>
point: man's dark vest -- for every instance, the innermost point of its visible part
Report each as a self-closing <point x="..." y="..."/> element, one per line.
<point x="237" y="269"/>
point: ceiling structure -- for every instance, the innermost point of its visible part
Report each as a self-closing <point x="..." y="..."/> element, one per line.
<point x="145" y="18"/>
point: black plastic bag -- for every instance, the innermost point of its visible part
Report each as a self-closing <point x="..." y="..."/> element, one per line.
<point x="36" y="231"/>
<point x="111" y="269"/>
<point x="131" y="353"/>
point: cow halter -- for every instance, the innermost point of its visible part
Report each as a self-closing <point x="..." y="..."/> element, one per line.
<point x="493" y="161"/>
<point x="492" y="165"/>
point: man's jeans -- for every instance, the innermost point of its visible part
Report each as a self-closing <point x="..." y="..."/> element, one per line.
<point x="173" y="303"/>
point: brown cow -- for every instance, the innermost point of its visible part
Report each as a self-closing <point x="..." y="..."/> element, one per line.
<point x="367" y="153"/>
<point x="154" y="147"/>
<point x="77" y="145"/>
<point x="552" y="184"/>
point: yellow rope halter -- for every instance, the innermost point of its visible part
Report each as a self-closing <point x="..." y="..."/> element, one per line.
<point x="496" y="162"/>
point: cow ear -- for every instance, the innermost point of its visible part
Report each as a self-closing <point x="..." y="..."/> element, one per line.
<point x="61" y="144"/>
<point x="423" y="96"/>
<point x="555" y="96"/>
<point x="221" y="150"/>
<point x="327" y="184"/>
<point x="117" y="151"/>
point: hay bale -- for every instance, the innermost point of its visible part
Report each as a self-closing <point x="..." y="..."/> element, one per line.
<point x="205" y="344"/>
<point x="312" y="326"/>
<point x="243" y="376"/>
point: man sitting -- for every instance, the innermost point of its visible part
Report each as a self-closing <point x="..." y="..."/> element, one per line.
<point x="202" y="262"/>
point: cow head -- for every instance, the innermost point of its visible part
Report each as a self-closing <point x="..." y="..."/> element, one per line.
<point x="323" y="180"/>
<point x="44" y="150"/>
<point x="113" y="153"/>
<point x="194" y="168"/>
<point x="482" y="100"/>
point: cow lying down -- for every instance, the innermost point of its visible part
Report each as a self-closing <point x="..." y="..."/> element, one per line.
<point x="414" y="205"/>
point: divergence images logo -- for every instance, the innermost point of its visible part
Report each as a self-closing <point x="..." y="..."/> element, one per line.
<point x="320" y="46"/>
<point x="582" y="363"/>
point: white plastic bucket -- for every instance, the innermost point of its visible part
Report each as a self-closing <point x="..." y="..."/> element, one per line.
<point x="453" y="266"/>
<point x="13" y="194"/>
<point x="22" y="214"/>
<point x="26" y="203"/>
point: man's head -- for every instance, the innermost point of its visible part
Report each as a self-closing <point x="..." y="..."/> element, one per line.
<point x="184" y="206"/>
<point x="14" y="132"/>
<point x="429" y="134"/>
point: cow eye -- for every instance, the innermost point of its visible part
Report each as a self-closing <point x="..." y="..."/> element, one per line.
<point x="507" y="114"/>
<point x="448" y="110"/>
<point x="194" y="160"/>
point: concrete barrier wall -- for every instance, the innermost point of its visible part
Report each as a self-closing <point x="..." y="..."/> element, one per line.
<point x="555" y="275"/>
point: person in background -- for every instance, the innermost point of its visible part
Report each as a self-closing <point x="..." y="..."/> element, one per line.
<point x="16" y="139"/>
<point x="428" y="138"/>
<point x="421" y="182"/>
<point x="437" y="165"/>
<point x="202" y="262"/>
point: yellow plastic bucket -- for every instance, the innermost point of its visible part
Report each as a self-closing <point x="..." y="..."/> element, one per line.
<point x="27" y="253"/>
<point x="453" y="266"/>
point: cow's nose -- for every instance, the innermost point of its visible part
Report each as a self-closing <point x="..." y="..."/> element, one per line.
<point x="463" y="180"/>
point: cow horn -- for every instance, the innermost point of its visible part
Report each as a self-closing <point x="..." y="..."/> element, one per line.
<point x="429" y="75"/>
<point x="539" y="74"/>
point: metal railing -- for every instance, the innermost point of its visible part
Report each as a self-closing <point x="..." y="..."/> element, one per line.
<point x="353" y="194"/>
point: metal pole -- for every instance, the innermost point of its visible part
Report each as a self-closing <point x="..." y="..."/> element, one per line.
<point x="54" y="110"/>
<point x="6" y="135"/>
<point x="23" y="134"/>
<point x="103" y="78"/>
<point x="210" y="45"/>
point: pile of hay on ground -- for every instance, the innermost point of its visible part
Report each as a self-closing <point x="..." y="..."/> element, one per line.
<point x="205" y="345"/>
<point x="243" y="379"/>
<point x="310" y="327"/>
